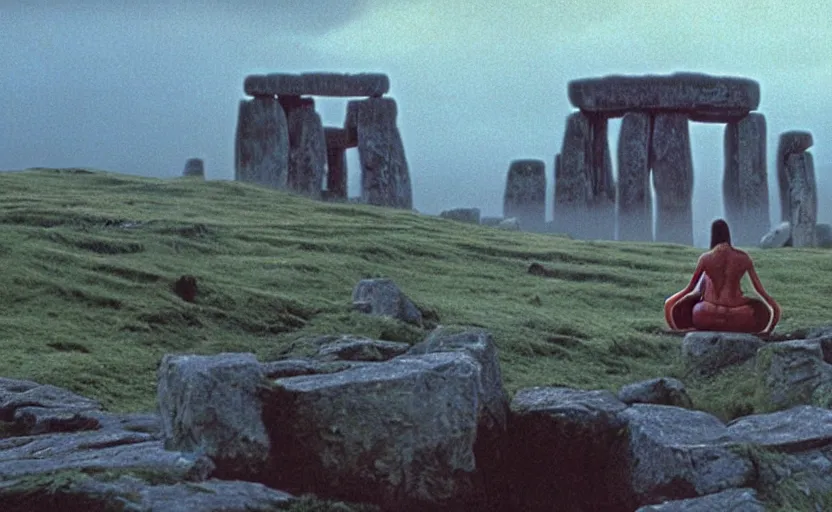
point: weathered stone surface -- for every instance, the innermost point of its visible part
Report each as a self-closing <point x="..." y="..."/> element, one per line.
<point x="357" y="348"/>
<point x="573" y="185"/>
<point x="790" y="143"/>
<point x="479" y="344"/>
<point x="706" y="353"/>
<point x="735" y="500"/>
<point x="803" y="199"/>
<point x="383" y="297"/>
<point x="317" y="84"/>
<point x="385" y="178"/>
<point x="745" y="181"/>
<point x="672" y="166"/>
<point x="660" y="391"/>
<point x="469" y="215"/>
<point x="399" y="434"/>
<point x="261" y="147"/>
<point x="336" y="162"/>
<point x="33" y="409"/>
<point x="635" y="204"/>
<point x="307" y="152"/>
<point x="779" y="236"/>
<point x="693" y="458"/>
<point x="525" y="193"/>
<point x="792" y="372"/>
<point x="698" y="96"/>
<point x="211" y="405"/>
<point x="194" y="168"/>
<point x="794" y="430"/>
<point x="568" y="448"/>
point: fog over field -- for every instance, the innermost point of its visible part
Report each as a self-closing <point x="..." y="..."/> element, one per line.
<point x="139" y="89"/>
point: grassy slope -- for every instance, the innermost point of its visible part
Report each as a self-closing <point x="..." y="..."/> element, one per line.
<point x="87" y="302"/>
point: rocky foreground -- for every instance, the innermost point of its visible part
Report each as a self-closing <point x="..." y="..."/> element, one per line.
<point x="423" y="427"/>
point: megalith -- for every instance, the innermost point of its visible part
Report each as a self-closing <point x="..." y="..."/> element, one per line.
<point x="385" y="179"/>
<point x="803" y="200"/>
<point x="572" y="185"/>
<point x="525" y="194"/>
<point x="672" y="165"/>
<point x="791" y="142"/>
<point x="635" y="213"/>
<point x="261" y="147"/>
<point x="336" y="163"/>
<point x="745" y="180"/>
<point x="194" y="168"/>
<point x="307" y="150"/>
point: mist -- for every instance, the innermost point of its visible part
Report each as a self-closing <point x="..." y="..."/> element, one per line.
<point x="140" y="89"/>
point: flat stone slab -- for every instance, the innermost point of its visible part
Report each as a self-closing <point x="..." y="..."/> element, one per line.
<point x="317" y="84"/>
<point x="703" y="97"/>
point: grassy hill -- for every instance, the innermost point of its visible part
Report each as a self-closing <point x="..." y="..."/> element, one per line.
<point x="89" y="259"/>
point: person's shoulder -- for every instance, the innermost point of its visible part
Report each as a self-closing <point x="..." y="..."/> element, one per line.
<point x="740" y="254"/>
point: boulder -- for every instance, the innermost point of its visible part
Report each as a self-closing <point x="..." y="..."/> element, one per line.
<point x="194" y="168"/>
<point x="510" y="224"/>
<point x="793" y="372"/>
<point x="779" y="236"/>
<point x="706" y="353"/>
<point x="383" y="297"/>
<point x="661" y="391"/>
<point x="307" y="152"/>
<point x="672" y="165"/>
<point x="803" y="199"/>
<point x="399" y="434"/>
<point x="745" y="180"/>
<point x="736" y="500"/>
<point x="694" y="457"/>
<point x="525" y="193"/>
<point x="635" y="210"/>
<point x="469" y="215"/>
<point x="790" y="143"/>
<point x="317" y="84"/>
<point x="698" y="96"/>
<point x="32" y="408"/>
<point x="261" y="144"/>
<point x="212" y="405"/>
<point x="385" y="178"/>
<point x="357" y="348"/>
<point x="568" y="447"/>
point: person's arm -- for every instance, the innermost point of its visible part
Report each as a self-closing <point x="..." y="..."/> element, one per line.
<point x="773" y="307"/>
<point x="670" y="303"/>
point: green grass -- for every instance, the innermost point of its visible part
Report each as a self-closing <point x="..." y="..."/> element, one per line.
<point x="89" y="259"/>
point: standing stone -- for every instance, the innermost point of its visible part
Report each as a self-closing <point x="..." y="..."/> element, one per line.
<point x="572" y="183"/>
<point x="194" y="168"/>
<point x="385" y="179"/>
<point x="635" y="214"/>
<point x="745" y="182"/>
<point x="790" y="142"/>
<point x="336" y="163"/>
<point x="525" y="195"/>
<point x="307" y="151"/>
<point x="602" y="204"/>
<point x="803" y="198"/>
<point x="672" y="165"/>
<point x="261" y="148"/>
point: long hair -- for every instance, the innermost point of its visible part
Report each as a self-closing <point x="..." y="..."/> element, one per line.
<point x="720" y="233"/>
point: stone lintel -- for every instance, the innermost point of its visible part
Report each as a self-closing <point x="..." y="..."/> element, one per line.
<point x="317" y="84"/>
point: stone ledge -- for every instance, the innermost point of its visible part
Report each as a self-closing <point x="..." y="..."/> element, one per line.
<point x="317" y="84"/>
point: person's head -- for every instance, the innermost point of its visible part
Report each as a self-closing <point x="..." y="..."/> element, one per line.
<point x="720" y="233"/>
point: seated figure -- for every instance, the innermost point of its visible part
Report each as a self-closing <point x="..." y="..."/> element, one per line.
<point x="713" y="300"/>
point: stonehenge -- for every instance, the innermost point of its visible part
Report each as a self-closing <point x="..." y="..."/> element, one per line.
<point x="654" y="140"/>
<point x="282" y="143"/>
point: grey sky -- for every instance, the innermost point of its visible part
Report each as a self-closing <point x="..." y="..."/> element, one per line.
<point x="139" y="89"/>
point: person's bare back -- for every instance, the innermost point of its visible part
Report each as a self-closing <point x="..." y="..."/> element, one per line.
<point x="724" y="267"/>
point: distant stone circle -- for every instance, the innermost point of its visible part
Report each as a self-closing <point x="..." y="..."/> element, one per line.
<point x="281" y="142"/>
